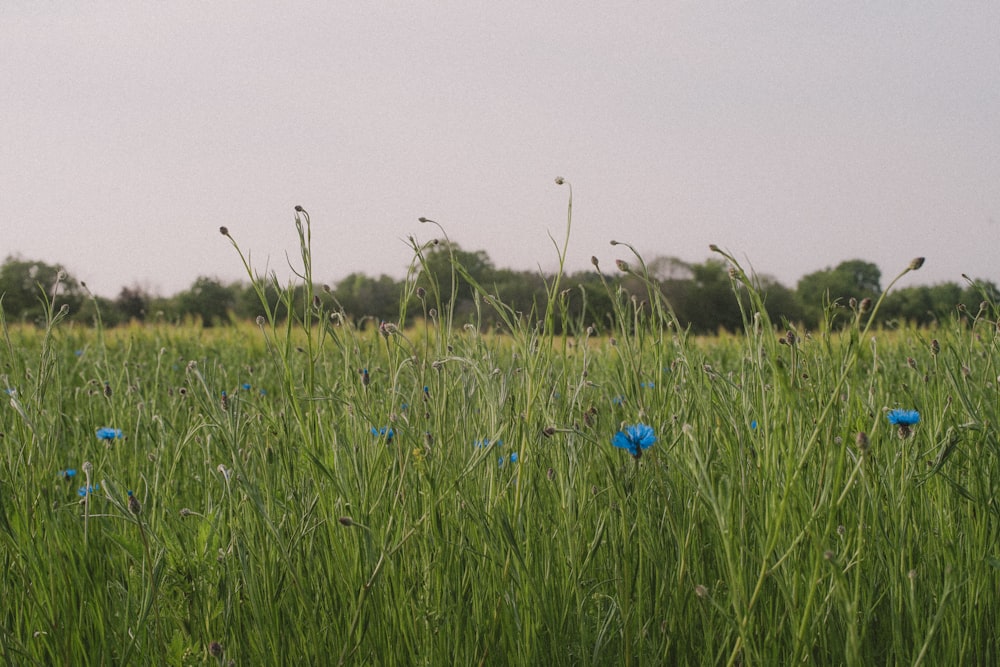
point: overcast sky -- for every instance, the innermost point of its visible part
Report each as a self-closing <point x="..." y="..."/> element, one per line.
<point x="794" y="134"/>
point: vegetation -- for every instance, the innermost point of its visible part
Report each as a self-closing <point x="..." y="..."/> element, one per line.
<point x="302" y="491"/>
<point x="701" y="295"/>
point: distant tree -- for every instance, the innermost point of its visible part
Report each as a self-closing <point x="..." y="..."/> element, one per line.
<point x="854" y="278"/>
<point x="362" y="297"/>
<point x="131" y="303"/>
<point x="781" y="303"/>
<point x="441" y="263"/>
<point x="209" y="300"/>
<point x="23" y="283"/>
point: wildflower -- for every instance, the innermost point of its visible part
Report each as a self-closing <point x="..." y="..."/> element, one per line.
<point x="512" y="458"/>
<point x="67" y="474"/>
<point x="753" y="425"/>
<point x="634" y="439"/>
<point x="618" y="400"/>
<point x="427" y="393"/>
<point x="133" y="504"/>
<point x="224" y="400"/>
<point x="365" y="379"/>
<point x="85" y="491"/>
<point x="647" y="385"/>
<point x="108" y="433"/>
<point x="486" y="443"/>
<point x="903" y="419"/>
<point x="386" y="431"/>
<point x="246" y="386"/>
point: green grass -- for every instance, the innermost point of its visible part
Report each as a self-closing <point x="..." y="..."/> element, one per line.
<point x="282" y="528"/>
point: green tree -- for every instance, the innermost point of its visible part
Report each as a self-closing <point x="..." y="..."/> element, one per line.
<point x="854" y="278"/>
<point x="209" y="300"/>
<point x="441" y="275"/>
<point x="23" y="283"/>
<point x="362" y="296"/>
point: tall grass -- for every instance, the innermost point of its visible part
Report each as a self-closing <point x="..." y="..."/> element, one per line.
<point x="352" y="498"/>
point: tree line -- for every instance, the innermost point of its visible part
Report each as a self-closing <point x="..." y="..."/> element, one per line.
<point x="701" y="295"/>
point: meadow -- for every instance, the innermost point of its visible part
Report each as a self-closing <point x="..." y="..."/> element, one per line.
<point x="305" y="492"/>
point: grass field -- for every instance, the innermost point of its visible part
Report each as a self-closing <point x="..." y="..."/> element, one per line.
<point x="307" y="493"/>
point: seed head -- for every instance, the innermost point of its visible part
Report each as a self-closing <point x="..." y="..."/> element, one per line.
<point x="224" y="230"/>
<point x="299" y="209"/>
<point x="215" y="649"/>
<point x="560" y="180"/>
<point x="916" y="263"/>
<point x="862" y="441"/>
<point x="593" y="260"/>
<point x="865" y="305"/>
<point x="346" y="521"/>
<point x="935" y="347"/>
<point x="622" y="265"/>
<point x="133" y="504"/>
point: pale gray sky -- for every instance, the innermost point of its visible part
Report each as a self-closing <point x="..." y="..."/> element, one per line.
<point x="794" y="134"/>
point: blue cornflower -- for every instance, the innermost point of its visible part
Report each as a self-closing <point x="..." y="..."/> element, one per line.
<point x="903" y="419"/>
<point x="108" y="433"/>
<point x="245" y="386"/>
<point x="67" y="474"/>
<point x="83" y="491"/>
<point x="512" y="458"/>
<point x="485" y="442"/>
<point x="753" y="425"/>
<point x="78" y="353"/>
<point x="386" y="431"/>
<point x="618" y="400"/>
<point x="634" y="439"/>
<point x="403" y="406"/>
<point x="647" y="385"/>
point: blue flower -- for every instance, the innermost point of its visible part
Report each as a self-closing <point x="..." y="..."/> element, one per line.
<point x="386" y="431"/>
<point x="78" y="353"/>
<point x="67" y="474"/>
<point x="634" y="439"/>
<point x="245" y="386"/>
<point x="108" y="433"/>
<point x="485" y="442"/>
<point x="83" y="491"/>
<point x="647" y="385"/>
<point x="753" y="425"/>
<point x="618" y="400"/>
<point x="903" y="419"/>
<point x="512" y="458"/>
<point x="899" y="417"/>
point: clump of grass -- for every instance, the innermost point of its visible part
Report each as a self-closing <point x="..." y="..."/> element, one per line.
<point x="778" y="517"/>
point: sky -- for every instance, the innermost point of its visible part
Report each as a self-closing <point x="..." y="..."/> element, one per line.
<point x="795" y="135"/>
